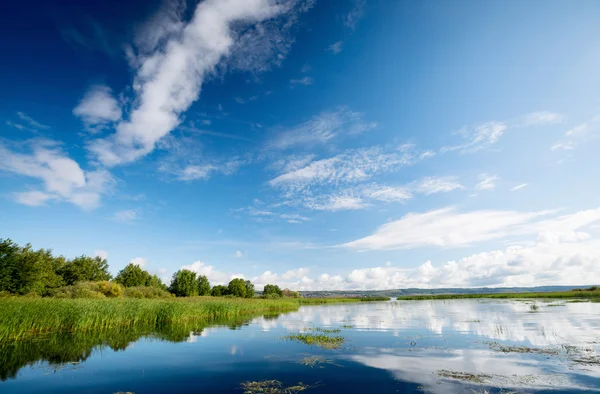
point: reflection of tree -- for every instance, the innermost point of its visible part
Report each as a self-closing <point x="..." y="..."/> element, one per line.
<point x="58" y="350"/>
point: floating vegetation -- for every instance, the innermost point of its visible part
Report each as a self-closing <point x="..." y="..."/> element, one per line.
<point x="316" y="361"/>
<point x="464" y="376"/>
<point x="326" y="330"/>
<point x="347" y="326"/>
<point x="522" y="349"/>
<point x="556" y="304"/>
<point x="272" y="387"/>
<point x="321" y="340"/>
<point x="534" y="308"/>
<point x="472" y="321"/>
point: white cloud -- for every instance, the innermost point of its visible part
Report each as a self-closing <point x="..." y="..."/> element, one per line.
<point x="351" y="166"/>
<point x="478" y="137"/>
<point x="98" y="108"/>
<point x="103" y="254"/>
<point x="541" y="118"/>
<point x="355" y="14"/>
<point x="63" y="179"/>
<point x="579" y="135"/>
<point x="141" y="262"/>
<point x="519" y="187"/>
<point x="336" y="47"/>
<point x="302" y="81"/>
<point x="295" y="274"/>
<point x="321" y="129"/>
<point x="337" y="203"/>
<point x="427" y="154"/>
<point x="32" y="123"/>
<point x="432" y="185"/>
<point x="387" y="193"/>
<point x="214" y="276"/>
<point x="126" y="216"/>
<point x="239" y="254"/>
<point x="449" y="228"/>
<point x="487" y="182"/>
<point x="169" y="73"/>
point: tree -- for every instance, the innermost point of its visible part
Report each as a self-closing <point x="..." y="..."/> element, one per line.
<point x="295" y="294"/>
<point x="155" y="281"/>
<point x="237" y="287"/>
<point x="249" y="289"/>
<point x="203" y="286"/>
<point x="219" y="291"/>
<point x="272" y="289"/>
<point x="85" y="269"/>
<point x="133" y="275"/>
<point x="184" y="283"/>
<point x="287" y="292"/>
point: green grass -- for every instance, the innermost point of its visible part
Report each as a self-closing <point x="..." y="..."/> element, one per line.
<point x="582" y="294"/>
<point x="22" y="317"/>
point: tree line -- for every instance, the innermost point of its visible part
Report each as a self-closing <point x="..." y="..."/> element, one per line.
<point x="25" y="271"/>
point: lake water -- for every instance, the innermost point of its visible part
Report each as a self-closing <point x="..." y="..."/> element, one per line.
<point x="448" y="346"/>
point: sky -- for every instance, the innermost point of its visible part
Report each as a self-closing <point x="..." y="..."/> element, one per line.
<point x="317" y="145"/>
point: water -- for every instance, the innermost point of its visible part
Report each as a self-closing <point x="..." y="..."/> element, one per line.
<point x="448" y="346"/>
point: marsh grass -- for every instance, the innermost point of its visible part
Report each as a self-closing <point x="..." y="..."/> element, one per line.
<point x="464" y="376"/>
<point x="326" y="330"/>
<point x="320" y="340"/>
<point x="522" y="349"/>
<point x="272" y="387"/>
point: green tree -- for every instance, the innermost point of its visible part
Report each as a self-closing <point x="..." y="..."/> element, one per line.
<point x="10" y="254"/>
<point x="272" y="289"/>
<point x="237" y="287"/>
<point x="154" y="281"/>
<point x="132" y="275"/>
<point x="184" y="283"/>
<point x="295" y="294"/>
<point x="249" y="289"/>
<point x="203" y="285"/>
<point x="85" y="269"/>
<point x="219" y="291"/>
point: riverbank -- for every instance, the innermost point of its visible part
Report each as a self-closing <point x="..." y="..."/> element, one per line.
<point x="575" y="294"/>
<point x="22" y="318"/>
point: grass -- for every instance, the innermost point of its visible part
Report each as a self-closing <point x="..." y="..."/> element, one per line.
<point x="576" y="295"/>
<point x="522" y="349"/>
<point x="316" y="361"/>
<point x="320" y="340"/>
<point x="22" y="318"/>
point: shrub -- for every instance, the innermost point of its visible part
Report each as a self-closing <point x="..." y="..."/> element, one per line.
<point x="146" y="292"/>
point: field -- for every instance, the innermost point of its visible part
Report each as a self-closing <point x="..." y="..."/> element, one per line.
<point x="22" y="317"/>
<point x="580" y="294"/>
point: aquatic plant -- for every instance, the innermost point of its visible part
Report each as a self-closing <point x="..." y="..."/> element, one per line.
<point x="315" y="361"/>
<point x="463" y="376"/>
<point x="522" y="349"/>
<point x="321" y="340"/>
<point x="272" y="387"/>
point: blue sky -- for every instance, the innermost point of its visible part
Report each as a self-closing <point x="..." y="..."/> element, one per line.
<point x="317" y="145"/>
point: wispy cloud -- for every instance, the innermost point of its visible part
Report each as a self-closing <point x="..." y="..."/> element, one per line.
<point x="432" y="185"/>
<point x="26" y="123"/>
<point x="486" y="183"/>
<point x="306" y="68"/>
<point x="541" y="118"/>
<point x="578" y="135"/>
<point x="321" y="129"/>
<point x="62" y="178"/>
<point x="478" y="137"/>
<point x="126" y="216"/>
<point x="355" y="14"/>
<point x="336" y="47"/>
<point x="302" y="81"/>
<point x="519" y="187"/>
<point x="169" y="76"/>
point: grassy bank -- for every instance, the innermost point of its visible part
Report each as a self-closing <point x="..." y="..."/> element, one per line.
<point x="22" y="318"/>
<point x="580" y="294"/>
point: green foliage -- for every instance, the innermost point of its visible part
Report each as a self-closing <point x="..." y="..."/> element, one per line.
<point x="249" y="289"/>
<point x="219" y="291"/>
<point x="100" y="289"/>
<point x="272" y="290"/>
<point x="133" y="275"/>
<point x="147" y="292"/>
<point x="295" y="294"/>
<point x="84" y="269"/>
<point x="203" y="286"/>
<point x="237" y="288"/>
<point x="184" y="284"/>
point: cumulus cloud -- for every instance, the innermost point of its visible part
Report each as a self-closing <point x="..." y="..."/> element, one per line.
<point x="169" y="72"/>
<point x="214" y="276"/>
<point x="321" y="129"/>
<point x="336" y="47"/>
<point x="98" y="108"/>
<point x="62" y="178"/>
<point x="103" y="254"/>
<point x="141" y="262"/>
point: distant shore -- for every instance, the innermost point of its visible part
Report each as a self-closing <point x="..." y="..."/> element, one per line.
<point x="590" y="293"/>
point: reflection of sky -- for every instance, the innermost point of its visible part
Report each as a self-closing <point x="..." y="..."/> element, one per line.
<point x="414" y="340"/>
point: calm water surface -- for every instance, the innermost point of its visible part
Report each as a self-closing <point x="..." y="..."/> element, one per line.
<point x="449" y="346"/>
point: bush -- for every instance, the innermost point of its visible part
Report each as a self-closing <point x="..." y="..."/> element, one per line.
<point x="146" y="292"/>
<point x="101" y="289"/>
